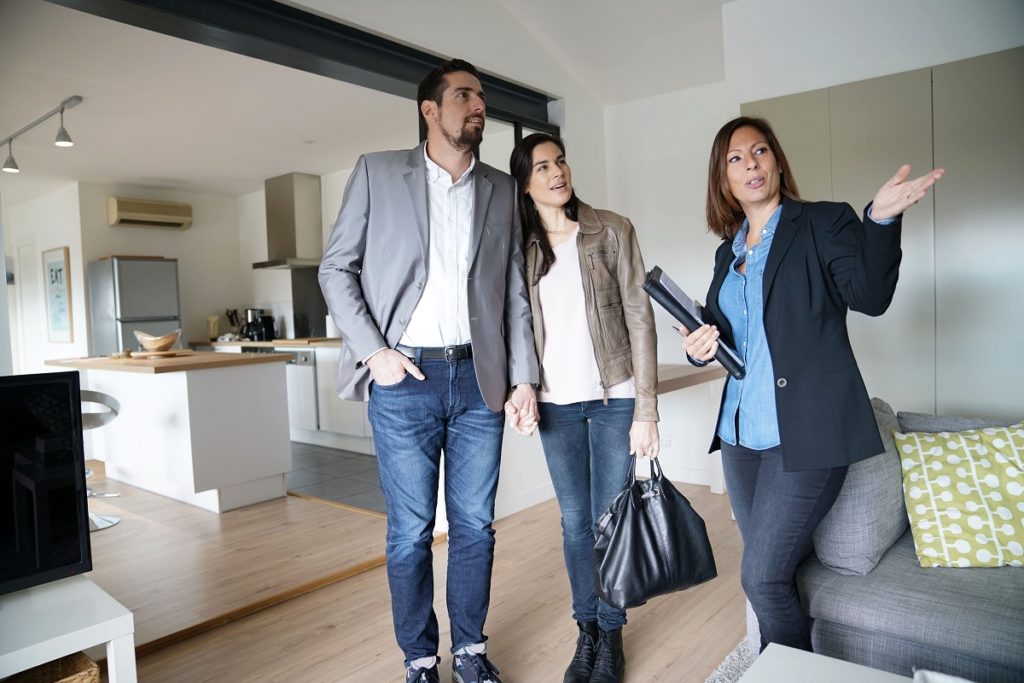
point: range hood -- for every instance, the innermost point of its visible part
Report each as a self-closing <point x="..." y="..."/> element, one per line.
<point x="294" y="233"/>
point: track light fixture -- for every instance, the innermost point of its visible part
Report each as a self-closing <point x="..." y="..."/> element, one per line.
<point x="62" y="140"/>
<point x="11" y="166"/>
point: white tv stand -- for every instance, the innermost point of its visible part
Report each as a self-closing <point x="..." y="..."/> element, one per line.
<point x="47" y="622"/>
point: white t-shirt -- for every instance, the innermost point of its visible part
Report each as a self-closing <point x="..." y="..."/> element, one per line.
<point x="568" y="368"/>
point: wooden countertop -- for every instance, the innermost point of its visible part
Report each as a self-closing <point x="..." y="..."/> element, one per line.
<point x="671" y="377"/>
<point x="199" y="360"/>
<point x="681" y="376"/>
<point x="305" y="341"/>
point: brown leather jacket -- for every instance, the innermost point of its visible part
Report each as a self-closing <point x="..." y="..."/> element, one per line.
<point x="618" y="310"/>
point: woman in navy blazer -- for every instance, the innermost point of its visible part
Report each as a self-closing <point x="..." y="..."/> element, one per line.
<point x="785" y="276"/>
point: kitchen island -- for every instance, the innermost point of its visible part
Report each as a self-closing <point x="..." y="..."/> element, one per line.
<point x="208" y="429"/>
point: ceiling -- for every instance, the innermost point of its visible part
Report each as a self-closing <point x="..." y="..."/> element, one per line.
<point x="167" y="113"/>
<point x="623" y="51"/>
<point x="617" y="51"/>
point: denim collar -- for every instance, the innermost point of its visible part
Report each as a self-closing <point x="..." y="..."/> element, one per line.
<point x="739" y="242"/>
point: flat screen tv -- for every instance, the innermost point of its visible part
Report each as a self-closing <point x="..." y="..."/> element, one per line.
<point x="44" y="520"/>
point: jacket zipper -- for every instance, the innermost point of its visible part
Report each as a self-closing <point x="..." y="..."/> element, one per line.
<point x="588" y="296"/>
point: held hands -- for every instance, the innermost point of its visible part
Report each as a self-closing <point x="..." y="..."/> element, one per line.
<point x="643" y="440"/>
<point x="702" y="343"/>
<point x="899" y="194"/>
<point x="388" y="366"/>
<point x="521" y="409"/>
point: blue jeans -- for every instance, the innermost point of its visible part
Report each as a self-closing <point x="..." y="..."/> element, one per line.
<point x="586" y="445"/>
<point x="777" y="512"/>
<point x="413" y="422"/>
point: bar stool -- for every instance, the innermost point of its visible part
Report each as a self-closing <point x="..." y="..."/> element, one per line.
<point x="91" y="420"/>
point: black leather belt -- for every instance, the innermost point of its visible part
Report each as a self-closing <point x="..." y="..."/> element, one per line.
<point x="448" y="353"/>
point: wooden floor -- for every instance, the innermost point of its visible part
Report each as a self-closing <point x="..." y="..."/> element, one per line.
<point x="343" y="632"/>
<point x="182" y="570"/>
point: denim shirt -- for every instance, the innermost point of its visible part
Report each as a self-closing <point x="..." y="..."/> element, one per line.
<point x="742" y="302"/>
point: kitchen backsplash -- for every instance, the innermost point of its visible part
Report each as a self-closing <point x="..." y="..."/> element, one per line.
<point x="293" y="297"/>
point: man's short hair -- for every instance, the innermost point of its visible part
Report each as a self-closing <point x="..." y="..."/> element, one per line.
<point x="433" y="85"/>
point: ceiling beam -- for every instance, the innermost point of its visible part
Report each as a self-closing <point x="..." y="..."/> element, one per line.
<point x="279" y="33"/>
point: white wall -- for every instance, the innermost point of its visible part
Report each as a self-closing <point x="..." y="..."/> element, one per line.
<point x="780" y="47"/>
<point x="209" y="273"/>
<point x="252" y="237"/>
<point x="46" y="222"/>
<point x="657" y="169"/>
<point x="332" y="188"/>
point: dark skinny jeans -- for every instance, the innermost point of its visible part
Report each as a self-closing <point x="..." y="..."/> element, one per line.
<point x="777" y="513"/>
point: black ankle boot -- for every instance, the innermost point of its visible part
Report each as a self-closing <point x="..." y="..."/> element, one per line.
<point x="583" y="660"/>
<point x="609" y="662"/>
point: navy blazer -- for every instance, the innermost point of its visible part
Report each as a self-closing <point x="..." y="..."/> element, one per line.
<point x="823" y="262"/>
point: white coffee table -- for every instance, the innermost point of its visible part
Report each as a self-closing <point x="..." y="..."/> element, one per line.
<point x="47" y="622"/>
<point x="781" y="664"/>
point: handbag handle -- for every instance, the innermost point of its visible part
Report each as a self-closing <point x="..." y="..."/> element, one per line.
<point x="656" y="475"/>
<point x="656" y="472"/>
<point x="631" y="475"/>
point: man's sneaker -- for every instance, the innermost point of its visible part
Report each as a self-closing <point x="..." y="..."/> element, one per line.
<point x="609" y="662"/>
<point x="582" y="663"/>
<point x="413" y="675"/>
<point x="471" y="668"/>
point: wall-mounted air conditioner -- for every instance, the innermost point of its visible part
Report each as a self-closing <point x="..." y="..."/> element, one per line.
<point x="125" y="211"/>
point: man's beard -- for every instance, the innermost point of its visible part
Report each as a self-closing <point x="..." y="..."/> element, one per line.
<point x="468" y="138"/>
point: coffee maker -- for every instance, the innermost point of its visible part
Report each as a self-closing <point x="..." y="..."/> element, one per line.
<point x="269" y="334"/>
<point x="254" y="328"/>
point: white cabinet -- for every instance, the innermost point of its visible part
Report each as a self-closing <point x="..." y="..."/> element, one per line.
<point x="337" y="415"/>
<point x="302" y="389"/>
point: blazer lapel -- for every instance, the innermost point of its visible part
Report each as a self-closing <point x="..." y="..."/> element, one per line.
<point x="481" y="198"/>
<point x="416" y="180"/>
<point x="785" y="231"/>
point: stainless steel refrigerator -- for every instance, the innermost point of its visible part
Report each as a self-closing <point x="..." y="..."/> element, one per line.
<point x="127" y="294"/>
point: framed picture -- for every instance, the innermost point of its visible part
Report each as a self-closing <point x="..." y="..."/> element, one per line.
<point x="57" y="284"/>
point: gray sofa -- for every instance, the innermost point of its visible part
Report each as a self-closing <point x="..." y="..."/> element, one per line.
<point x="873" y="604"/>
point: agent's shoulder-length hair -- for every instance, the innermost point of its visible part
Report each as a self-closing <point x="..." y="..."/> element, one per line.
<point x="725" y="216"/>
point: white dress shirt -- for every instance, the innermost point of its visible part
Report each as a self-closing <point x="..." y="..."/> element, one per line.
<point x="441" y="318"/>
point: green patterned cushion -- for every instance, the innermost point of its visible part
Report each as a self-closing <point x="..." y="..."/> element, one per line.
<point x="965" y="495"/>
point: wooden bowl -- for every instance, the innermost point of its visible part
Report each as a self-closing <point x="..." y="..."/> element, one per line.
<point x="161" y="343"/>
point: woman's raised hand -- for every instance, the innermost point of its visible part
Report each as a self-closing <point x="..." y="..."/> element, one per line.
<point x="898" y="194"/>
<point x="702" y="343"/>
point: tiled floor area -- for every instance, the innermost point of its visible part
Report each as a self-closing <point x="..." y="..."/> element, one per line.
<point x="341" y="476"/>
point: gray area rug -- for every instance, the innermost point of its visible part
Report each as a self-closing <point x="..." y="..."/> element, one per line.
<point x="733" y="666"/>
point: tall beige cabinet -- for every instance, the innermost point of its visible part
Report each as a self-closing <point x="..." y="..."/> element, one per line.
<point x="958" y="306"/>
<point x="979" y="234"/>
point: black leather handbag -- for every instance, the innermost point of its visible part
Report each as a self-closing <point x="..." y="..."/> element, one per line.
<point x="650" y="542"/>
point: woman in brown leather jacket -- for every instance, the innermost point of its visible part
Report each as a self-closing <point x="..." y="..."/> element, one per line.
<point x="594" y="331"/>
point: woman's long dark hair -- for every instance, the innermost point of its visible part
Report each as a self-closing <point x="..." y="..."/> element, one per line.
<point x="521" y="167"/>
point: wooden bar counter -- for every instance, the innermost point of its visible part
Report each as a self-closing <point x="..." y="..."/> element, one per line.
<point x="208" y="429"/>
<point x="197" y="360"/>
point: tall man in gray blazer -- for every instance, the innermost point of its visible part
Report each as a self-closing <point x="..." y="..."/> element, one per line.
<point x="423" y="275"/>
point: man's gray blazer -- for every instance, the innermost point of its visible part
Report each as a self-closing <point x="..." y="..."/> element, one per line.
<point x="375" y="266"/>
